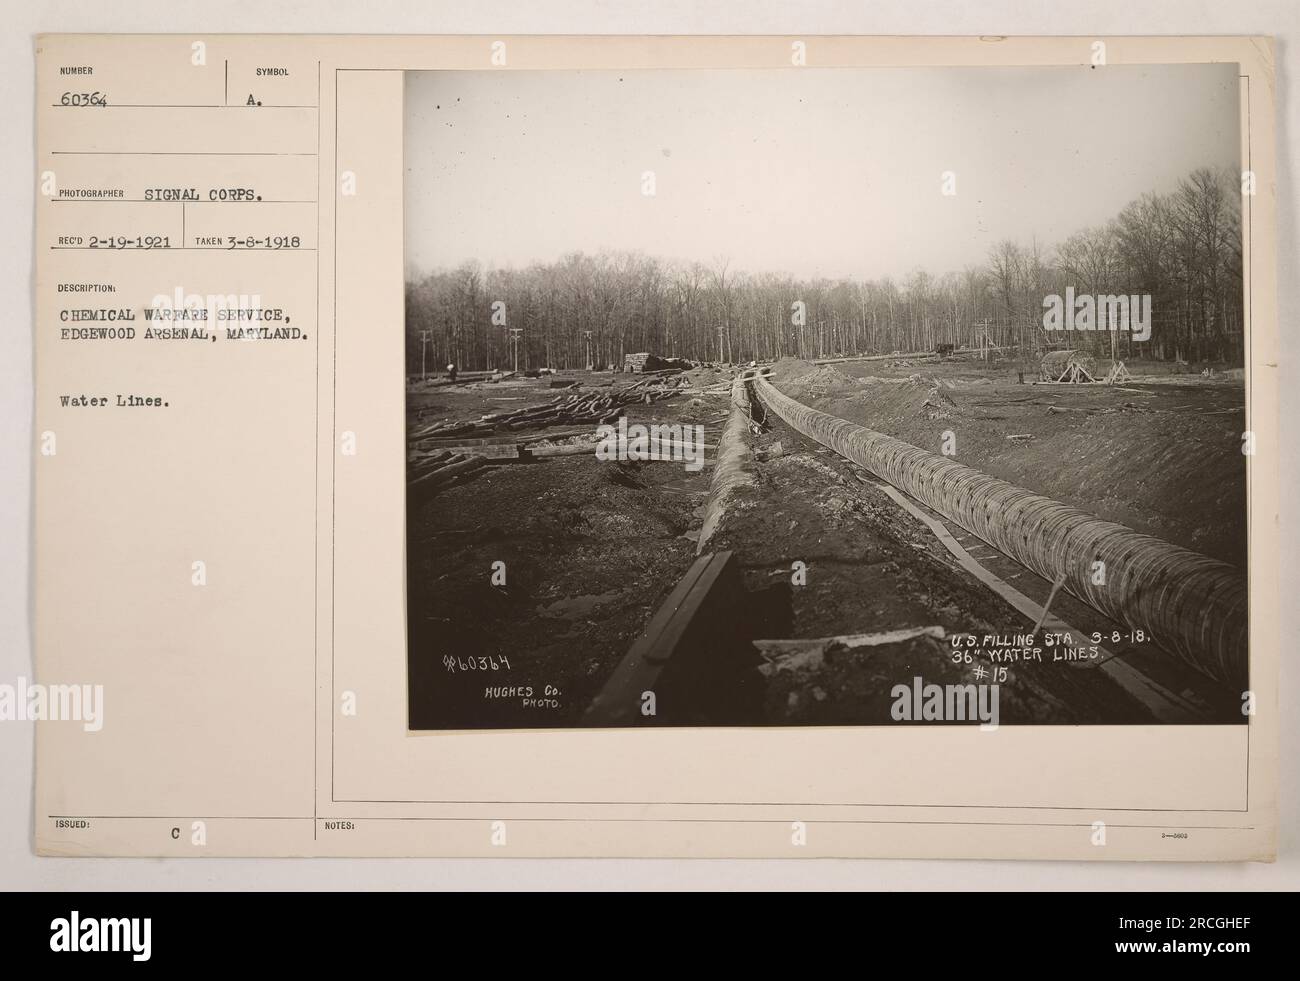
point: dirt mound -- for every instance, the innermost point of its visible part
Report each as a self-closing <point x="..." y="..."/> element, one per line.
<point x="1165" y="460"/>
<point x="789" y="369"/>
<point x="802" y="378"/>
<point x="937" y="404"/>
<point x="705" y="376"/>
<point x="841" y="394"/>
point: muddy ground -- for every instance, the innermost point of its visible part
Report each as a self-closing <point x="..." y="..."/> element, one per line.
<point x="591" y="549"/>
<point x="872" y="567"/>
<point x="1161" y="454"/>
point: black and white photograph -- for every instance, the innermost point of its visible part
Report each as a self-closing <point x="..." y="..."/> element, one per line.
<point x="826" y="397"/>
<point x="649" y="448"/>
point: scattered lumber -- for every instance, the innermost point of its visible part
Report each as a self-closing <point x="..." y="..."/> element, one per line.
<point x="538" y="445"/>
<point x="919" y="355"/>
<point x="462" y="378"/>
<point x="589" y="447"/>
<point x="555" y="435"/>
<point x="438" y="470"/>
<point x="644" y="362"/>
<point x="589" y="407"/>
<point x="497" y="447"/>
<point x="564" y="449"/>
<point x="722" y="389"/>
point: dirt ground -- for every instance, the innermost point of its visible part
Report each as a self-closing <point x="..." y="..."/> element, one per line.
<point x="1161" y="455"/>
<point x="871" y="567"/>
<point x="592" y="549"/>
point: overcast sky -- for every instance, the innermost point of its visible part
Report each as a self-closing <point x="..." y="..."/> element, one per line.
<point x="814" y="172"/>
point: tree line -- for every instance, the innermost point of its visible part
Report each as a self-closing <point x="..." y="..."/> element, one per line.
<point x="1183" y="248"/>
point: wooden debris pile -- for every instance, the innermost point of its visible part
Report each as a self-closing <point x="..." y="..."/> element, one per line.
<point x="653" y="362"/>
<point x="429" y="472"/>
<point x="566" y="410"/>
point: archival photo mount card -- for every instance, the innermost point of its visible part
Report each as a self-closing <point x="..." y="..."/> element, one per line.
<point x="627" y="446"/>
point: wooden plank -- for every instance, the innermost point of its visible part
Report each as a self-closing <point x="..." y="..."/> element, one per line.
<point x="493" y="451"/>
<point x="562" y="449"/>
<point x="688" y="655"/>
<point x="458" y="442"/>
<point x="669" y="639"/>
<point x="439" y="477"/>
<point x="494" y="447"/>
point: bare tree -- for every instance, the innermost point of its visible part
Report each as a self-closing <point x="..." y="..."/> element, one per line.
<point x="1183" y="248"/>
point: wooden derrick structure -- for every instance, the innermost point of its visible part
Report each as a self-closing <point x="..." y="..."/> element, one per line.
<point x="1068" y="368"/>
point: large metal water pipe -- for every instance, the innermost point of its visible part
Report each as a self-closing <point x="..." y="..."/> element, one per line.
<point x="1194" y="606"/>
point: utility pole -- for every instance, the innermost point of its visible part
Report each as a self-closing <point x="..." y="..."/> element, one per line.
<point x="424" y="347"/>
<point x="514" y="336"/>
